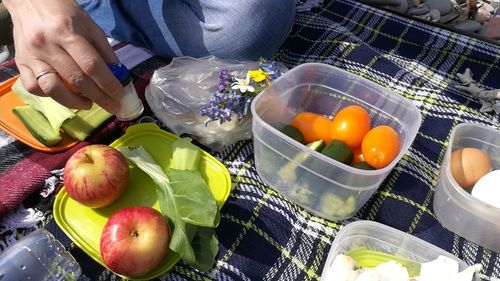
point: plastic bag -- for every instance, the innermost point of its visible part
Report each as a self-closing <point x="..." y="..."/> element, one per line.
<point x="178" y="91"/>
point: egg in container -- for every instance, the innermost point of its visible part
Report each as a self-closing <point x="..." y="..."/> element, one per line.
<point x="321" y="185"/>
<point x="454" y="204"/>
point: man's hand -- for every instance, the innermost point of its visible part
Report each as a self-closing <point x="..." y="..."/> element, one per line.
<point x="56" y="43"/>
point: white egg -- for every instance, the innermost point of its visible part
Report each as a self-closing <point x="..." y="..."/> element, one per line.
<point x="487" y="189"/>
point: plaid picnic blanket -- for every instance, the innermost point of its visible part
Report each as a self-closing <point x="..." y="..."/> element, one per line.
<point x="264" y="236"/>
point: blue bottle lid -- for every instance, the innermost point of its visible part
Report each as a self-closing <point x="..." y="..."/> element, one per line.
<point x="121" y="72"/>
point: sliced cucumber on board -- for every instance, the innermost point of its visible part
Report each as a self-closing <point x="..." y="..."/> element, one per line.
<point x="85" y="122"/>
<point x="38" y="125"/>
<point x="53" y="111"/>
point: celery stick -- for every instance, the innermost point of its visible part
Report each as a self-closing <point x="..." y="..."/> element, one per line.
<point x="185" y="155"/>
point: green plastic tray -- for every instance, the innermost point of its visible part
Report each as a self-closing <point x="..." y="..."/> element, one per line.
<point x="84" y="225"/>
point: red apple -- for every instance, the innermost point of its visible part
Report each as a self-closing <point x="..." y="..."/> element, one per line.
<point x="96" y="175"/>
<point x="134" y="241"/>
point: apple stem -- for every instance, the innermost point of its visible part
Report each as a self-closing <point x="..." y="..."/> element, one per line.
<point x="89" y="159"/>
<point x="134" y="233"/>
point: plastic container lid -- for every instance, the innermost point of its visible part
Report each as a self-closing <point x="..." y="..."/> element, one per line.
<point x="84" y="225"/>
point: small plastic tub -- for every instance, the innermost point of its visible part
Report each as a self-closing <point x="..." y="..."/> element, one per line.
<point x="321" y="185"/>
<point x="379" y="237"/>
<point x="455" y="208"/>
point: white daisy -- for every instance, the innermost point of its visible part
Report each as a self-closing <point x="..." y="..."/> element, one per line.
<point x="243" y="85"/>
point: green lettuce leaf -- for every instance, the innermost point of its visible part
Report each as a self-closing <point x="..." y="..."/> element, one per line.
<point x="193" y="198"/>
<point x="186" y="201"/>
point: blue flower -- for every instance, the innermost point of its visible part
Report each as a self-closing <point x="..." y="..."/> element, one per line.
<point x="272" y="69"/>
<point x="234" y="95"/>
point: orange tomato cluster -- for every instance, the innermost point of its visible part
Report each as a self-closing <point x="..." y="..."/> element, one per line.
<point x="313" y="126"/>
<point x="377" y="146"/>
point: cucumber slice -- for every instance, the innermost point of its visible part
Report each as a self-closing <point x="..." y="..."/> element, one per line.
<point x="38" y="125"/>
<point x="293" y="132"/>
<point x="317" y="145"/>
<point x="339" y="151"/>
<point x="53" y="111"/>
<point x="362" y="165"/>
<point x="85" y="122"/>
<point x="289" y="171"/>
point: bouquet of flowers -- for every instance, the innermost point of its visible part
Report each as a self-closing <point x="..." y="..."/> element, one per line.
<point x="209" y="98"/>
<point x="235" y="94"/>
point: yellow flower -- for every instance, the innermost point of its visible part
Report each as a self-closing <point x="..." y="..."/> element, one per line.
<point x="257" y="75"/>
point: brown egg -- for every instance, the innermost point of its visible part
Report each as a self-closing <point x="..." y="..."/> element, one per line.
<point x="468" y="165"/>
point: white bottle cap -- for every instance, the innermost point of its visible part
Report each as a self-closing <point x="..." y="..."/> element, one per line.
<point x="131" y="105"/>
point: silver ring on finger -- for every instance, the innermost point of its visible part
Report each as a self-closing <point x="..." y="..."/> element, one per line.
<point x="45" y="72"/>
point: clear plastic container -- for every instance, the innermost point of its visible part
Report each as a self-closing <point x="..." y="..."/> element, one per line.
<point x="38" y="256"/>
<point x="455" y="208"/>
<point x="323" y="186"/>
<point x="379" y="237"/>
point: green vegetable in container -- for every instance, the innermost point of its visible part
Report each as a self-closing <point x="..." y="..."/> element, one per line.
<point x="293" y="133"/>
<point x="339" y="151"/>
<point x="289" y="171"/>
<point x="362" y="165"/>
<point x="334" y="206"/>
<point x="302" y="194"/>
<point x="369" y="258"/>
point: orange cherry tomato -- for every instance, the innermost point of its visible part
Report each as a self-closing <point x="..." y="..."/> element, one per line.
<point x="313" y="126"/>
<point x="358" y="155"/>
<point x="380" y="146"/>
<point x="350" y="125"/>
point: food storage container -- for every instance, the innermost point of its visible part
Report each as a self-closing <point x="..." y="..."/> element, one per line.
<point x="321" y="185"/>
<point x="38" y="256"/>
<point x="455" y="208"/>
<point x="382" y="238"/>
